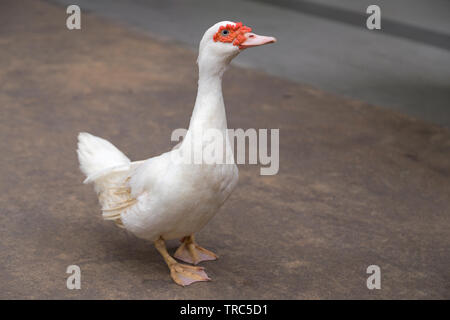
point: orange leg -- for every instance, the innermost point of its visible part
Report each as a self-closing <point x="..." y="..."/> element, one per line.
<point x="182" y="274"/>
<point x="191" y="252"/>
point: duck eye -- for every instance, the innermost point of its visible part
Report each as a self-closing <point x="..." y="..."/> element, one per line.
<point x="225" y="32"/>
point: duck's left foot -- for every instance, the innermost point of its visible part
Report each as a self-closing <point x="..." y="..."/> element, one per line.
<point x="184" y="274"/>
<point x="191" y="252"/>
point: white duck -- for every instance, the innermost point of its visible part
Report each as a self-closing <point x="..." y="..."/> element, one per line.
<point x="160" y="198"/>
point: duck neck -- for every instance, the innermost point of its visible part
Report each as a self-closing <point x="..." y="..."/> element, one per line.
<point x="209" y="109"/>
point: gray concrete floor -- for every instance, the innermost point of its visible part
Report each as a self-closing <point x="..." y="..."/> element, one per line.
<point x="318" y="46"/>
<point x="426" y="14"/>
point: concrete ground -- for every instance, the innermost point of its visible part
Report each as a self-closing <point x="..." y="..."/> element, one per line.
<point x="324" y="43"/>
<point x="358" y="184"/>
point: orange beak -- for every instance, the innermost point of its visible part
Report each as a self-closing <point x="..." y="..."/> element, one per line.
<point x="254" y="40"/>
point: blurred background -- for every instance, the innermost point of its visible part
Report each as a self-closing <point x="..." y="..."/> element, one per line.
<point x="405" y="66"/>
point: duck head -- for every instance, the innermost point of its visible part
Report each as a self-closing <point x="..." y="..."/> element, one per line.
<point x="224" y="41"/>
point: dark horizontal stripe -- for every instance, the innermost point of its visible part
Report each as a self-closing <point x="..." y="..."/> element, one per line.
<point x="388" y="26"/>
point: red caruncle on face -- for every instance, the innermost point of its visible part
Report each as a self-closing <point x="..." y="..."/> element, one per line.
<point x="232" y="34"/>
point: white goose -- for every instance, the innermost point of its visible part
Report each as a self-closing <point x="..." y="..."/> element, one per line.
<point x="160" y="198"/>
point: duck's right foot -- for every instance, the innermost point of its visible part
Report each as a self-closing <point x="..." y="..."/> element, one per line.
<point x="191" y="252"/>
<point x="184" y="275"/>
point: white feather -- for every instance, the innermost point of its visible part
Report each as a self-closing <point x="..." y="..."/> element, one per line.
<point x="98" y="157"/>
